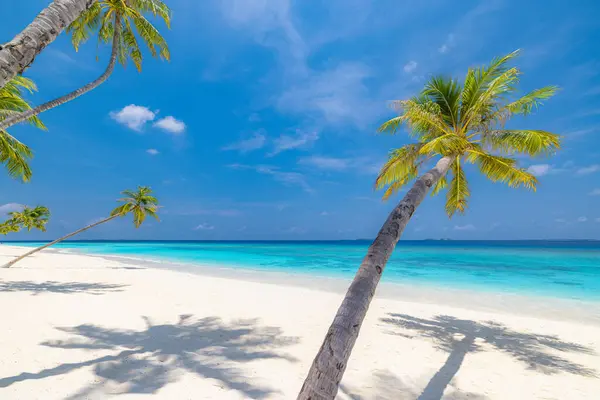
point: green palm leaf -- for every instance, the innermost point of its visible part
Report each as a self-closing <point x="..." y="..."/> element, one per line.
<point x="458" y="190"/>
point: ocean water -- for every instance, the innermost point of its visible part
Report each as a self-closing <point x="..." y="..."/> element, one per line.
<point x="567" y="269"/>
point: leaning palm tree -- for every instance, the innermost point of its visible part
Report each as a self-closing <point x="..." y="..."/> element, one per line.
<point x="19" y="53"/>
<point x="140" y="203"/>
<point x="14" y="154"/>
<point x="456" y="124"/>
<point x="115" y="21"/>
<point x="7" y="227"/>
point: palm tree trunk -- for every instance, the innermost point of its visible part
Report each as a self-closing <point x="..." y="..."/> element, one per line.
<point x="20" y="52"/>
<point x="330" y="363"/>
<point x="11" y="263"/>
<point x="15" y="119"/>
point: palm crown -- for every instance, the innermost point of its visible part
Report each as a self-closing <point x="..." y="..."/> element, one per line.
<point x="102" y="16"/>
<point x="467" y="123"/>
<point x="14" y="154"/>
<point x="30" y="218"/>
<point x="141" y="203"/>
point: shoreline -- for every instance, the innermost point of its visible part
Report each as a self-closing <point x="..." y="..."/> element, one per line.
<point x="531" y="305"/>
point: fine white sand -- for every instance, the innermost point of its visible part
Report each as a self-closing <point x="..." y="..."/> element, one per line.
<point x="82" y="327"/>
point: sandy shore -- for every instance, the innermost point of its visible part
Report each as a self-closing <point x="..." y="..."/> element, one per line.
<point x="81" y="327"/>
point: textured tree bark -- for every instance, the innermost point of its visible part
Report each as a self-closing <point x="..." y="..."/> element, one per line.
<point x="15" y="119"/>
<point x="12" y="262"/>
<point x="20" y="52"/>
<point x="330" y="363"/>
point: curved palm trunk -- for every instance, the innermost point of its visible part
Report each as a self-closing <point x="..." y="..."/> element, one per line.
<point x="15" y="119"/>
<point x="20" y="52"/>
<point x="330" y="363"/>
<point x="11" y="263"/>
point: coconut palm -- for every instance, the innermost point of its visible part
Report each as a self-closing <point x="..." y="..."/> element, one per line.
<point x="7" y="227"/>
<point x="115" y="21"/>
<point x="140" y="203"/>
<point x="455" y="123"/>
<point x="19" y="53"/>
<point x="14" y="154"/>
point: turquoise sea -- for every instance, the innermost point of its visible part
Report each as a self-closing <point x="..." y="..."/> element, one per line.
<point x="563" y="269"/>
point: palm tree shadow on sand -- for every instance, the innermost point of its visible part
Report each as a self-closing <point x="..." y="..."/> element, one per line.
<point x="459" y="337"/>
<point x="149" y="359"/>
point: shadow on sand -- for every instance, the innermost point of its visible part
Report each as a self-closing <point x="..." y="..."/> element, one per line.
<point x="149" y="359"/>
<point x="459" y="337"/>
<point x="36" y="288"/>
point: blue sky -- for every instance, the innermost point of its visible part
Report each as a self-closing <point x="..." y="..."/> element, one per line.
<point x="263" y="124"/>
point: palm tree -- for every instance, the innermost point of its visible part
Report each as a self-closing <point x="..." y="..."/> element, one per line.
<point x="140" y="203"/>
<point x="457" y="124"/>
<point x="19" y="53"/>
<point x="7" y="227"/>
<point x="114" y="20"/>
<point x="14" y="154"/>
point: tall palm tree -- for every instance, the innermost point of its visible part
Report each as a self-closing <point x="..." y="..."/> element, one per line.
<point x="19" y="53"/>
<point x="140" y="203"/>
<point x="456" y="124"/>
<point x="14" y="154"/>
<point x="115" y="21"/>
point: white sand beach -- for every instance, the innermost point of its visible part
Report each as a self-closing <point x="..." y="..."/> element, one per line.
<point x="82" y="327"/>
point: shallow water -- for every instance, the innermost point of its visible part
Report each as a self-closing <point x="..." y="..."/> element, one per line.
<point x="567" y="269"/>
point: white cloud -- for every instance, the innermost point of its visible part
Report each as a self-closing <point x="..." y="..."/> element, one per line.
<point x="539" y="169"/>
<point x="468" y="227"/>
<point x="337" y="96"/>
<point x="410" y="67"/>
<point x="588" y="170"/>
<point x="582" y="219"/>
<point x="204" y="227"/>
<point x="324" y="213"/>
<point x="10" y="207"/>
<point x="330" y="163"/>
<point x="171" y="125"/>
<point x="448" y="44"/>
<point x="133" y="116"/>
<point x="595" y="192"/>
<point x="289" y="142"/>
<point x="257" y="141"/>
<point x="286" y="178"/>
<point x="152" y="152"/>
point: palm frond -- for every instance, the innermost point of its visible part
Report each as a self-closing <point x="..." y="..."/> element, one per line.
<point x="531" y="101"/>
<point x="531" y="142"/>
<point x="401" y="167"/>
<point x="440" y="185"/>
<point x="478" y="79"/>
<point x="446" y="94"/>
<point x="15" y="156"/>
<point x="458" y="190"/>
<point x="501" y="169"/>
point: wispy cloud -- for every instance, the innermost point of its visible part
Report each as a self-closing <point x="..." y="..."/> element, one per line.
<point x="582" y="219"/>
<point x="468" y="227"/>
<point x="364" y="165"/>
<point x="255" y="142"/>
<point x="288" y="142"/>
<point x="10" y="207"/>
<point x="152" y="152"/>
<point x="595" y="192"/>
<point x="447" y="45"/>
<point x="560" y="220"/>
<point x="588" y="170"/>
<point x="204" y="227"/>
<point x="133" y="116"/>
<point x="286" y="178"/>
<point x="295" y="230"/>
<point x="171" y="125"/>
<point x="410" y="67"/>
<point x="539" y="169"/>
